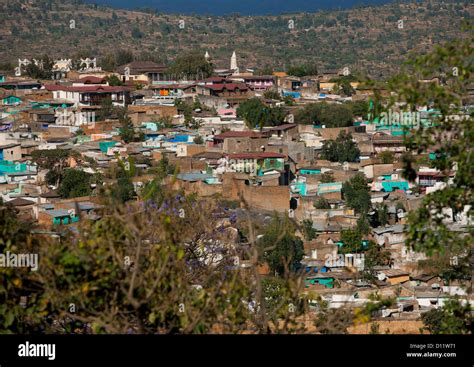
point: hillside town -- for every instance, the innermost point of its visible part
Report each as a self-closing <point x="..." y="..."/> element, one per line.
<point x="309" y="148"/>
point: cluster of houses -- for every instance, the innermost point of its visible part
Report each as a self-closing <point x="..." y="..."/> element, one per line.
<point x="273" y="169"/>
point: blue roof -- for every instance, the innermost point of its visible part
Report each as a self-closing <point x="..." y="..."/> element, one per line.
<point x="179" y="139"/>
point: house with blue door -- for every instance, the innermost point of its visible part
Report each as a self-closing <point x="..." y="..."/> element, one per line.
<point x="10" y="152"/>
<point x="65" y="213"/>
<point x="56" y="217"/>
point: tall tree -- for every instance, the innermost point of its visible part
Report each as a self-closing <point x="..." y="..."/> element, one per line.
<point x="191" y="65"/>
<point x="357" y="194"/>
<point x="341" y="150"/>
<point x="106" y="110"/>
<point x="75" y="183"/>
<point x="127" y="130"/>
<point x="114" y="80"/>
<point x="55" y="161"/>
<point x="43" y="69"/>
<point x="308" y="231"/>
<point x="360" y="109"/>
<point x="254" y="112"/>
<point x="343" y="87"/>
<point x="279" y="246"/>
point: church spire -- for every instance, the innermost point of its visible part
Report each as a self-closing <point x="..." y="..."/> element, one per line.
<point x="233" y="63"/>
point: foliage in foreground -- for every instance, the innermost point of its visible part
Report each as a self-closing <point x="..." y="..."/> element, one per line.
<point x="451" y="138"/>
<point x="142" y="268"/>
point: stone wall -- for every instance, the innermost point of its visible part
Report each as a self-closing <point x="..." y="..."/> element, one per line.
<point x="239" y="145"/>
<point x="267" y="198"/>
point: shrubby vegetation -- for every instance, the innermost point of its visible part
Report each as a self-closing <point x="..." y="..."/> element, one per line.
<point x="192" y="65"/>
<point x="328" y="114"/>
<point x="141" y="268"/>
<point x="302" y="70"/>
<point x="455" y="317"/>
<point x="257" y="115"/>
<point x="452" y="140"/>
<point x="75" y="183"/>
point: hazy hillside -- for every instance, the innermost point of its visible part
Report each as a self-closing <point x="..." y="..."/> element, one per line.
<point x="366" y="39"/>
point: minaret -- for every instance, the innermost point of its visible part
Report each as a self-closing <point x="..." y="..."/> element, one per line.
<point x="207" y="57"/>
<point x="233" y="63"/>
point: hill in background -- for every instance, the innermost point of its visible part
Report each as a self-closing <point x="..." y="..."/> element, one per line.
<point x="372" y="40"/>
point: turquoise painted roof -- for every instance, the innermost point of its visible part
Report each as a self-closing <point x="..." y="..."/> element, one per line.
<point x="389" y="186"/>
<point x="8" y="167"/>
<point x="105" y="145"/>
<point x="299" y="187"/>
<point x="309" y="171"/>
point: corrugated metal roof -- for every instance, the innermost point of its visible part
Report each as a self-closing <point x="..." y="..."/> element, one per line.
<point x="194" y="176"/>
<point x="57" y="213"/>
